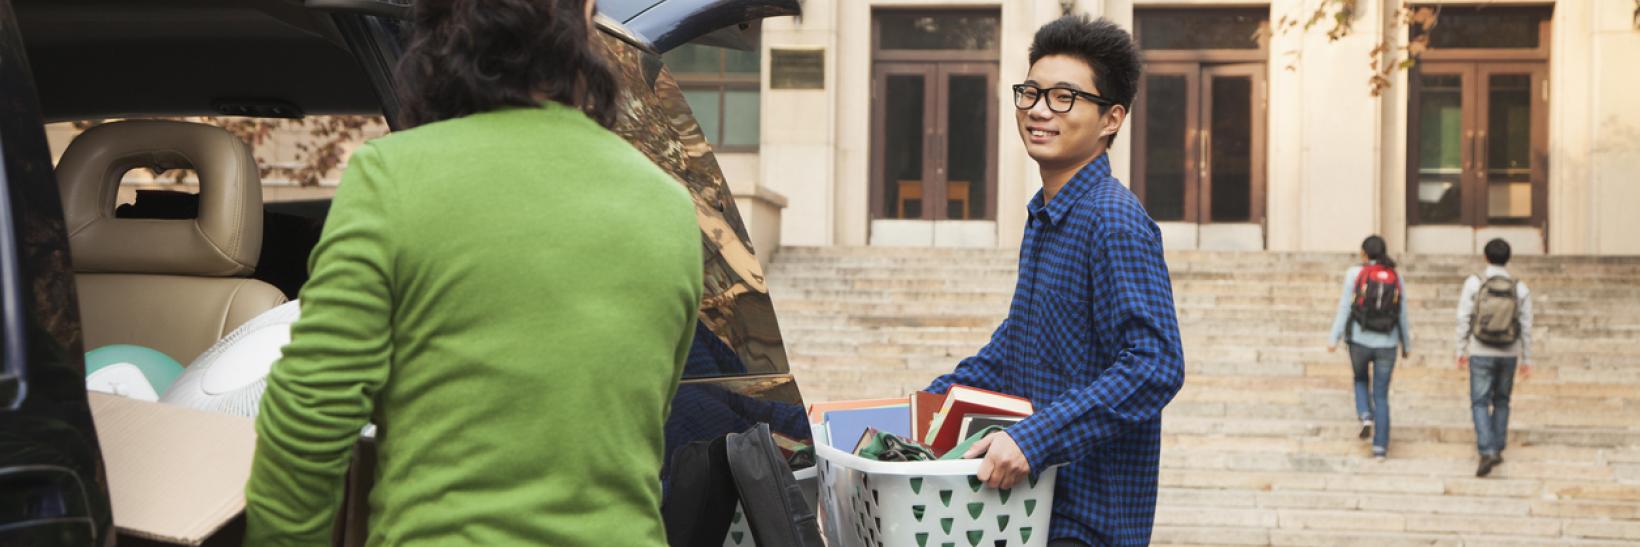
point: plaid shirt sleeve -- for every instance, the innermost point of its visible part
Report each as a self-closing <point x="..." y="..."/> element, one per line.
<point x="1148" y="369"/>
<point x="983" y="370"/>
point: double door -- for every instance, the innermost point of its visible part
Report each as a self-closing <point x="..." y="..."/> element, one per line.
<point x="1477" y="150"/>
<point x="1199" y="137"/>
<point x="934" y="150"/>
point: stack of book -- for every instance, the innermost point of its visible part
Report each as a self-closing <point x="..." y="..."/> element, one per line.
<point x="935" y="421"/>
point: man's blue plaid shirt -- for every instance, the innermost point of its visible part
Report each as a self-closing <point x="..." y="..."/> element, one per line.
<point x="1092" y="340"/>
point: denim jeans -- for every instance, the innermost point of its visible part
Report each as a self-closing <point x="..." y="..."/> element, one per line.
<point x="1372" y="403"/>
<point x="1491" y="379"/>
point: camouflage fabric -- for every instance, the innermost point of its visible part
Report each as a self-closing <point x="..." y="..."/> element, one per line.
<point x="658" y="122"/>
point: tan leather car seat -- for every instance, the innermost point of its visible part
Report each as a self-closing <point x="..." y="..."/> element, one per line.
<point x="176" y="286"/>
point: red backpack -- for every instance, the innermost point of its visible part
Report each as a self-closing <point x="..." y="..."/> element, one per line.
<point x="1377" y="304"/>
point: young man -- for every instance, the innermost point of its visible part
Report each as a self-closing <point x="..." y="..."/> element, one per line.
<point x="1494" y="329"/>
<point x="1091" y="338"/>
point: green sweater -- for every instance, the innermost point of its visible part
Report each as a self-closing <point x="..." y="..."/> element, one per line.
<point x="510" y="297"/>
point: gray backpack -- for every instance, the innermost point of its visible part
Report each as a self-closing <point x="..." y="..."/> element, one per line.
<point x="1497" y="312"/>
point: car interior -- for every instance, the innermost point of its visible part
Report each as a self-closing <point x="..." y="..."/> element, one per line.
<point x="176" y="271"/>
<point x="194" y="272"/>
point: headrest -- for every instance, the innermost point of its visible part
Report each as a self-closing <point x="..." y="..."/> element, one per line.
<point x="223" y="241"/>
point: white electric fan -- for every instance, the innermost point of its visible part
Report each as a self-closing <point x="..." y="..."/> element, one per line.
<point x="229" y="378"/>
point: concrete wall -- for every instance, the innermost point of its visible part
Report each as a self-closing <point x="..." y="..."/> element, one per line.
<point x="798" y="143"/>
<point x="1594" y="129"/>
<point x="1324" y="175"/>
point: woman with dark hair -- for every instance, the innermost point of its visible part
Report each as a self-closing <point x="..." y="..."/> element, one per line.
<point x="508" y="291"/>
<point x="1372" y="317"/>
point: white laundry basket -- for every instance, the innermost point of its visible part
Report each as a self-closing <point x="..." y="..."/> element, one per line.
<point x="740" y="533"/>
<point x="868" y="503"/>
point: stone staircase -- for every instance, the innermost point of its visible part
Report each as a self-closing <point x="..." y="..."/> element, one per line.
<point x="1260" y="445"/>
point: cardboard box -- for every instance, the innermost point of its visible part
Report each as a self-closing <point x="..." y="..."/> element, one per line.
<point x="174" y="474"/>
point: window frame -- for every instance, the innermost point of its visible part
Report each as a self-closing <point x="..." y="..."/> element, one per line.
<point x="721" y="83"/>
<point x="936" y="67"/>
<point x="881" y="53"/>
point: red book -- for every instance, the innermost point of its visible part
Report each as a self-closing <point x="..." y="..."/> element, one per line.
<point x="961" y="401"/>
<point x="924" y="406"/>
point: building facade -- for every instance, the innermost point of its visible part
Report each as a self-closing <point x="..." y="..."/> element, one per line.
<point x="890" y="122"/>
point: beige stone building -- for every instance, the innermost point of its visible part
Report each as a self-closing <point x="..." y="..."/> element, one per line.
<point x="890" y="122"/>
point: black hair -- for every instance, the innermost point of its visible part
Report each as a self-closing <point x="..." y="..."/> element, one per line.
<point x="471" y="56"/>
<point x="1376" y="250"/>
<point x="1105" y="47"/>
<point x="1497" y="252"/>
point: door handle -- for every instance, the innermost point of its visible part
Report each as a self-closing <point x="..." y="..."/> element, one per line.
<point x="1201" y="153"/>
<point x="1480" y="156"/>
<point x="1468" y="141"/>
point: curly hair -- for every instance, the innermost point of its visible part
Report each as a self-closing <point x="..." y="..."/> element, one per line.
<point x="470" y="56"/>
<point x="1103" y="45"/>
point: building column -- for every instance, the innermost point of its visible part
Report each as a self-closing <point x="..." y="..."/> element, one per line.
<point x="1324" y="171"/>
<point x="1614" y="122"/>
<point x="796" y="152"/>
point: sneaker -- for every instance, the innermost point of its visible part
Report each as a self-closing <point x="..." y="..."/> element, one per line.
<point x="1487" y="463"/>
<point x="1380" y="458"/>
<point x="1379" y="454"/>
<point x="1366" y="429"/>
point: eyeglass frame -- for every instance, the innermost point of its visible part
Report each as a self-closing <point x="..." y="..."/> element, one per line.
<point x="1019" y="92"/>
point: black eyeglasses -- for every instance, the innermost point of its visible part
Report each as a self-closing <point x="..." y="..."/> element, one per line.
<point x="1060" y="99"/>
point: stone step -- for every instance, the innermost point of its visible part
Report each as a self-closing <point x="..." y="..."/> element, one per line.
<point x="1418" y="396"/>
<point x="1444" y="412"/>
<point x="1203" y="294"/>
<point x="1217" y="359"/>
<point x="1308" y="296"/>
<point x="992" y="274"/>
<point x="1412" y="277"/>
<point x="1446" y="382"/>
<point x="1613" y="312"/>
<point x="1184" y="261"/>
<point x="1215" y="296"/>
<point x="797" y="254"/>
<point x="1192" y="323"/>
<point x="1616" y="445"/>
<point x="1191" y="534"/>
<point x="1198" y="359"/>
<point x="1302" y="453"/>
<point x="1577" y="321"/>
<point x="1417" y="483"/>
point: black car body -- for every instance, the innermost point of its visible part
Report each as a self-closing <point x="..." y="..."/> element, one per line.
<point x="89" y="59"/>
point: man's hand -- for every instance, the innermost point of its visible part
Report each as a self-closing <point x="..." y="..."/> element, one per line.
<point x="1463" y="362"/>
<point x="1004" y="463"/>
<point x="1332" y="348"/>
<point x="1525" y="370"/>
